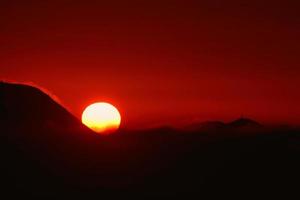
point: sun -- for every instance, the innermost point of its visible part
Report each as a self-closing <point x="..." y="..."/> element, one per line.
<point x="101" y="117"/>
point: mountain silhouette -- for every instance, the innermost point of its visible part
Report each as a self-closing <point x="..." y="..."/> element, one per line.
<point x="41" y="139"/>
<point x="45" y="151"/>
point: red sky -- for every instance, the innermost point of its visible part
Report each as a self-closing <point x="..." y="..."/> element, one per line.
<point x="159" y="62"/>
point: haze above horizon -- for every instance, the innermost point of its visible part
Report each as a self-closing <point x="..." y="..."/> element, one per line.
<point x="159" y="62"/>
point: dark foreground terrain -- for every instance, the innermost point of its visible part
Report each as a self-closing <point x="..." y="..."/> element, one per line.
<point x="46" y="152"/>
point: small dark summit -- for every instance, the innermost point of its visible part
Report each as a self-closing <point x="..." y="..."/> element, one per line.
<point x="244" y="122"/>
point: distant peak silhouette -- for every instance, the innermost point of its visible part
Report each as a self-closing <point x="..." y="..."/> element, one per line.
<point x="244" y="122"/>
<point x="219" y="125"/>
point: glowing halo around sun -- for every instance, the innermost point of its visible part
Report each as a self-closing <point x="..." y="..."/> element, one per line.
<point x="101" y="117"/>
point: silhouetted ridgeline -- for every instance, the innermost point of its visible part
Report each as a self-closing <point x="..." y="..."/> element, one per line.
<point x="45" y="151"/>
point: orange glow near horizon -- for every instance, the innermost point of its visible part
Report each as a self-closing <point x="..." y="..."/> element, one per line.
<point x="101" y="117"/>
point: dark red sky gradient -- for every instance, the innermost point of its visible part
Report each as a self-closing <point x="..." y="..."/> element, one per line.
<point x="161" y="62"/>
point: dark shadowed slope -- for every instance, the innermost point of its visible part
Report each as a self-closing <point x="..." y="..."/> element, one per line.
<point x="26" y="107"/>
<point x="45" y="151"/>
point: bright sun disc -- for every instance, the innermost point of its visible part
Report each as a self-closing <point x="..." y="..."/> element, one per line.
<point x="101" y="117"/>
